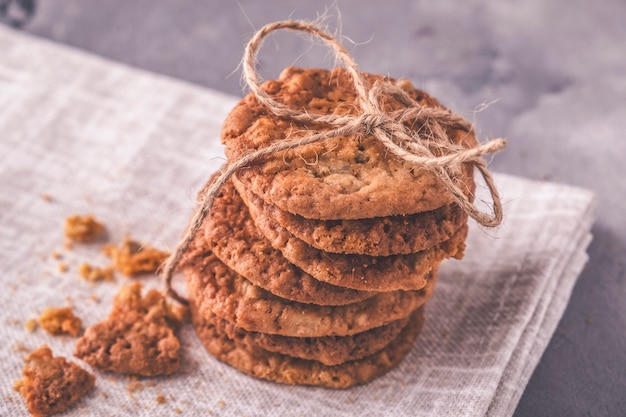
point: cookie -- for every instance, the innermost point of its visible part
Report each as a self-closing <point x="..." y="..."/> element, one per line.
<point x="219" y="290"/>
<point x="329" y="350"/>
<point x="51" y="384"/>
<point x="260" y="363"/>
<point x="380" y="236"/>
<point x="233" y="237"/>
<point x="137" y="338"/>
<point x="345" y="177"/>
<point x="360" y="272"/>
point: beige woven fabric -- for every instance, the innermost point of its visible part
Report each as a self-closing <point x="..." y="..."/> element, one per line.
<point x="133" y="149"/>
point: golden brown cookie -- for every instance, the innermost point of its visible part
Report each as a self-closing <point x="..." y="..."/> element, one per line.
<point x="137" y="338"/>
<point x="379" y="236"/>
<point x="219" y="290"/>
<point x="329" y="350"/>
<point x="360" y="272"/>
<point x="51" y="384"/>
<point x="260" y="363"/>
<point x="346" y="177"/>
<point x="233" y="237"/>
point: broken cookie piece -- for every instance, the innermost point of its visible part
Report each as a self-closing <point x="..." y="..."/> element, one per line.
<point x="138" y="336"/>
<point x="59" y="321"/>
<point x="94" y="273"/>
<point x="51" y="384"/>
<point x="83" y="228"/>
<point x="133" y="258"/>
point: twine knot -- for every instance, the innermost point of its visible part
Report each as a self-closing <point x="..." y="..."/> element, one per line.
<point x="369" y="122"/>
<point x="428" y="147"/>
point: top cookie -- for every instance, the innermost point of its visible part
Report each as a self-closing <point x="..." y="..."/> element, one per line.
<point x="346" y="177"/>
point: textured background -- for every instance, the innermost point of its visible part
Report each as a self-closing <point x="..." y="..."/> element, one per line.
<point x="556" y="71"/>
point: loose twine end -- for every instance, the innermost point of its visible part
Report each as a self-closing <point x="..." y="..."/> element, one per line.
<point x="388" y="127"/>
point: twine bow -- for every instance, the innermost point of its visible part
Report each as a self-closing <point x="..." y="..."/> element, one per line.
<point x="428" y="147"/>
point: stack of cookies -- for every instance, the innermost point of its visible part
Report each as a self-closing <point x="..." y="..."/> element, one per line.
<point x="313" y="265"/>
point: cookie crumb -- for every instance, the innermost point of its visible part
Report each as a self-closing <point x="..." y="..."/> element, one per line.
<point x="80" y="228"/>
<point x="221" y="404"/>
<point x="62" y="267"/>
<point x="57" y="321"/>
<point x="46" y="197"/>
<point x="134" y="386"/>
<point x="94" y="273"/>
<point x="30" y="325"/>
<point x="13" y="321"/>
<point x="56" y="255"/>
<point x="133" y="258"/>
<point x="177" y="410"/>
<point x="18" y="347"/>
<point x="137" y="338"/>
<point x="51" y="384"/>
<point x="161" y="399"/>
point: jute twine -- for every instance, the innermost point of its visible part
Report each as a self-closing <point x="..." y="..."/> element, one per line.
<point x="428" y="147"/>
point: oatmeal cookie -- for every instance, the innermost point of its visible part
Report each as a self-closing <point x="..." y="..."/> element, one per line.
<point x="285" y="369"/>
<point x="345" y="177"/>
<point x="361" y="272"/>
<point x="329" y="350"/>
<point x="379" y="236"/>
<point x="232" y="236"/>
<point x="221" y="291"/>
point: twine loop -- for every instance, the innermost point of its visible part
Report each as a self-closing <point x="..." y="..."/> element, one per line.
<point x="427" y="147"/>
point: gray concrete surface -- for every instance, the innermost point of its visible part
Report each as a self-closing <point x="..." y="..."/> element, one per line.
<point x="554" y="73"/>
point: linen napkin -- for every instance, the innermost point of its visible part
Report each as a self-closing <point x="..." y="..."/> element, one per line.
<point x="79" y="134"/>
